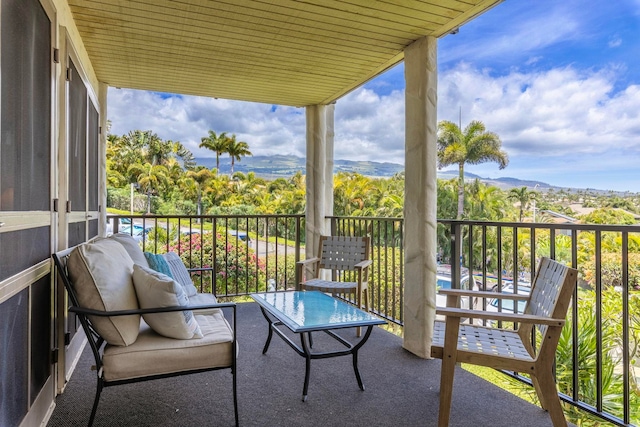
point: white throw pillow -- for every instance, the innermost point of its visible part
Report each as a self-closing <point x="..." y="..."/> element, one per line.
<point x="154" y="290"/>
<point x="180" y="273"/>
<point x="101" y="277"/>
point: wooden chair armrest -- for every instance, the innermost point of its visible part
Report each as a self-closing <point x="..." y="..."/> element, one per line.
<point x="307" y="261"/>
<point x="483" y="294"/>
<point x="102" y="313"/>
<point x="363" y="264"/>
<point x="505" y="317"/>
<point x="301" y="270"/>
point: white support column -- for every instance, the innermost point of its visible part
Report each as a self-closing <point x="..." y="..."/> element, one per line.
<point x="102" y="157"/>
<point x="319" y="178"/>
<point x="420" y="195"/>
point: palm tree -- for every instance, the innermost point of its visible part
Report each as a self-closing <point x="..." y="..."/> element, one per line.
<point x="200" y="176"/>
<point x="216" y="143"/>
<point x="151" y="178"/>
<point x="524" y="196"/>
<point x="149" y="145"/>
<point x="188" y="161"/>
<point x="474" y="145"/>
<point x="487" y="202"/>
<point x="237" y="150"/>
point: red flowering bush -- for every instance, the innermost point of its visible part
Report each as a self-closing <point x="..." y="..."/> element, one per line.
<point x="235" y="268"/>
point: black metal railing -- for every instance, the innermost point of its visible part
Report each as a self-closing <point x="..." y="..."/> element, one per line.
<point x="386" y="279"/>
<point x="229" y="255"/>
<point x="600" y="346"/>
<point x="598" y="351"/>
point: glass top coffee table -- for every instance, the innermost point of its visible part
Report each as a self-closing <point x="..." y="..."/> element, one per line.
<point x="303" y="312"/>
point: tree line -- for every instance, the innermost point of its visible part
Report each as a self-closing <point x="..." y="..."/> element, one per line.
<point x="165" y="172"/>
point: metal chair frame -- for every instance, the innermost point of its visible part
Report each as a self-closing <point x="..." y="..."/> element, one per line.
<point x="97" y="343"/>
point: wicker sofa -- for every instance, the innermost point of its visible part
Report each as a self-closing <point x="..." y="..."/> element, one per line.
<point x="144" y="324"/>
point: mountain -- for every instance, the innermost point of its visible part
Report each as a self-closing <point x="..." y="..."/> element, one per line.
<point x="272" y="167"/>
<point x="280" y="166"/>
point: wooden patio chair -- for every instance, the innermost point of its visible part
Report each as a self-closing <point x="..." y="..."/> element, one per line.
<point x="347" y="258"/>
<point x="545" y="311"/>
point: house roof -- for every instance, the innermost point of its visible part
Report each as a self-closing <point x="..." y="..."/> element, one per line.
<point x="286" y="52"/>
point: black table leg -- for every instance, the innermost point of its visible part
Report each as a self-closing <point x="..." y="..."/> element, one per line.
<point x="355" y="369"/>
<point x="307" y="372"/>
<point x="355" y="356"/>
<point x="307" y="343"/>
<point x="270" y="327"/>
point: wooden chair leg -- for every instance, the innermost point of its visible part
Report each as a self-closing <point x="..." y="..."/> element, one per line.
<point x="549" y="394"/>
<point x="449" y="358"/>
<point x="446" y="391"/>
<point x="539" y="393"/>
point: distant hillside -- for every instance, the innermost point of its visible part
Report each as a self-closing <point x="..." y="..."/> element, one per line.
<point x="272" y="167"/>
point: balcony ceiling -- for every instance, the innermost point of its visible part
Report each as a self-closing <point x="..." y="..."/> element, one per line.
<point x="282" y="52"/>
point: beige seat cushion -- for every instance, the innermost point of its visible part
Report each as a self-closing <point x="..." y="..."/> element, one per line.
<point x="153" y="354"/>
<point x="101" y="277"/>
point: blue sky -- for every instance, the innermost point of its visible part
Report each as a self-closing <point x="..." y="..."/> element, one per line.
<point x="558" y="81"/>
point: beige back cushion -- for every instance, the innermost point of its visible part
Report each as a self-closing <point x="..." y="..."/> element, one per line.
<point x="101" y="277"/>
<point x="132" y="247"/>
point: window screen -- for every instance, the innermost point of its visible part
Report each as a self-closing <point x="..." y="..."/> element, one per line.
<point x="77" y="141"/>
<point x="14" y="339"/>
<point x="21" y="249"/>
<point x="25" y="128"/>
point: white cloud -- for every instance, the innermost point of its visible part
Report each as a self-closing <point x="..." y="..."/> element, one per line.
<point x="370" y="127"/>
<point x="268" y="129"/>
<point x="615" y="42"/>
<point x="547" y="120"/>
<point x="558" y="112"/>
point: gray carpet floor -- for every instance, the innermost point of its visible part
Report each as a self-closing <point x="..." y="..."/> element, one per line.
<point x="400" y="390"/>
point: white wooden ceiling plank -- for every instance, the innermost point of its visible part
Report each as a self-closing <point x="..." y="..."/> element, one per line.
<point x="288" y="46"/>
<point x="135" y="34"/>
<point x="242" y="22"/>
<point x="412" y="19"/>
<point x="433" y="6"/>
<point x="295" y="10"/>
<point x="176" y="71"/>
<point x="335" y="12"/>
<point x="266" y="95"/>
<point x="221" y="86"/>
<point x="142" y="50"/>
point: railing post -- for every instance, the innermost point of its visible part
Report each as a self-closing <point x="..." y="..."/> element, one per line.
<point x="456" y="254"/>
<point x="297" y="251"/>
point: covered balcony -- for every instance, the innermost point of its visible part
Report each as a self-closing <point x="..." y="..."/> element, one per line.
<point x="59" y="57"/>
<point x="258" y="254"/>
